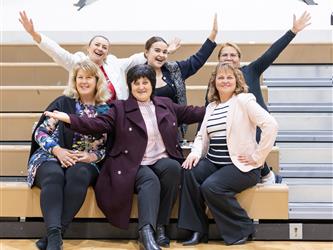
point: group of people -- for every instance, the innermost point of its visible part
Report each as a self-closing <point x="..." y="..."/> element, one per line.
<point x="85" y="137"/>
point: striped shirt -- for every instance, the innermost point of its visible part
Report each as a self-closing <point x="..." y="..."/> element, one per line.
<point x="217" y="132"/>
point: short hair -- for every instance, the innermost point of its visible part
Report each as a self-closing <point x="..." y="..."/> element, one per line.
<point x="102" y="93"/>
<point x="241" y="86"/>
<point x="229" y="44"/>
<point x="93" y="38"/>
<point x="141" y="70"/>
<point x="152" y="40"/>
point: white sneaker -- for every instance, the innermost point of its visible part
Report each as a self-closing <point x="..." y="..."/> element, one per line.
<point x="268" y="179"/>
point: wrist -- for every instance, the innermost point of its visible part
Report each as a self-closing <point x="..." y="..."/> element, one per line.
<point x="55" y="150"/>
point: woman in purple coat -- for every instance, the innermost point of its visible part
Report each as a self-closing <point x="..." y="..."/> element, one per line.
<point x="144" y="157"/>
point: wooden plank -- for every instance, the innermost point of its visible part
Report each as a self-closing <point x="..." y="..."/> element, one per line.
<point x="294" y="53"/>
<point x="260" y="202"/>
<point x="14" y="98"/>
<point x="17" y="126"/>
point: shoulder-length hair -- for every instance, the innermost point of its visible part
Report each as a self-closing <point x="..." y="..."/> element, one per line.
<point x="241" y="86"/>
<point x="101" y="94"/>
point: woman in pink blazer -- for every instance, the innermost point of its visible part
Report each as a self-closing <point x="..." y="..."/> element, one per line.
<point x="225" y="159"/>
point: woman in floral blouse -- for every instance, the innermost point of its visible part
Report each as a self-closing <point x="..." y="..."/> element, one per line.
<point x="64" y="163"/>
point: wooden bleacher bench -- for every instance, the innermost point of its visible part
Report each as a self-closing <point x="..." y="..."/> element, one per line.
<point x="260" y="202"/>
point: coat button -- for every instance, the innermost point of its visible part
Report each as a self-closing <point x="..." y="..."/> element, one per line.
<point x="126" y="151"/>
<point x="177" y="146"/>
<point x="119" y="172"/>
<point x="174" y="124"/>
<point x="129" y="129"/>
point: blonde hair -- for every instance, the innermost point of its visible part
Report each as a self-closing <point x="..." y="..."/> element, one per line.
<point x="241" y="86"/>
<point x="229" y="44"/>
<point x="102" y="93"/>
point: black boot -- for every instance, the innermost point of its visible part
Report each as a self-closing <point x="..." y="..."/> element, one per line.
<point x="54" y="239"/>
<point x="161" y="238"/>
<point x="196" y="239"/>
<point x="41" y="244"/>
<point x="146" y="239"/>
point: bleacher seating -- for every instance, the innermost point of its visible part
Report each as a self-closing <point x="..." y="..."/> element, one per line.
<point x="30" y="80"/>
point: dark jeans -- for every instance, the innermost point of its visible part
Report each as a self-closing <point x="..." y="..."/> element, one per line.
<point x="63" y="191"/>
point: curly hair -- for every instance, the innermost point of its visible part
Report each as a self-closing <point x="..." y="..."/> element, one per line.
<point x="102" y="93"/>
<point x="241" y="86"/>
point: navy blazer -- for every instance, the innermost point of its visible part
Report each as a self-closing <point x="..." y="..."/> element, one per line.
<point x="115" y="185"/>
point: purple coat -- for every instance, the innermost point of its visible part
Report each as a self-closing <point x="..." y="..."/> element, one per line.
<point x="115" y="186"/>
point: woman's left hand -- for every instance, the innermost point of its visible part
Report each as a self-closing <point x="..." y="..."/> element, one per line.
<point x="174" y="45"/>
<point x="214" y="31"/>
<point x="246" y="159"/>
<point x="86" y="157"/>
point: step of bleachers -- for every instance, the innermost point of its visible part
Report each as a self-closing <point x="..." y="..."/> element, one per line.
<point x="297" y="95"/>
<point x="304" y="121"/>
<point x="14" y="158"/>
<point x="51" y="74"/>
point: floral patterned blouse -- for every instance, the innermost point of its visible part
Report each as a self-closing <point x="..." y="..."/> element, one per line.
<point x="47" y="136"/>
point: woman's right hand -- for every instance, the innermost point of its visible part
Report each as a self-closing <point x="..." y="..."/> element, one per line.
<point x="191" y="161"/>
<point x="28" y="25"/>
<point x="66" y="157"/>
<point x="61" y="116"/>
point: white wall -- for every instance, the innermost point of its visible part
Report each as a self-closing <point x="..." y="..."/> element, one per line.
<point x="260" y="21"/>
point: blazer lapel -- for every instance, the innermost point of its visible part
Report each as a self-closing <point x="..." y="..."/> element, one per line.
<point x="161" y="110"/>
<point x="231" y="112"/>
<point x="133" y="113"/>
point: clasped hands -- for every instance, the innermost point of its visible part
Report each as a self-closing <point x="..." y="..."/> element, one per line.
<point x="68" y="157"/>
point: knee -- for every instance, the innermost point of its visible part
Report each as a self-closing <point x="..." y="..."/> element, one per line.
<point x="80" y="174"/>
<point x="53" y="177"/>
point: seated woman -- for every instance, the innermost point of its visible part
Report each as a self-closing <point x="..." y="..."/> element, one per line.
<point x="225" y="159"/>
<point x="63" y="163"/>
<point x="144" y="157"/>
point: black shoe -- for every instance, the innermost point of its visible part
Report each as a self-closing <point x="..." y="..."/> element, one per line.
<point x="146" y="239"/>
<point x="41" y="244"/>
<point x="238" y="242"/>
<point x="54" y="239"/>
<point x="161" y="238"/>
<point x="278" y="178"/>
<point x="196" y="239"/>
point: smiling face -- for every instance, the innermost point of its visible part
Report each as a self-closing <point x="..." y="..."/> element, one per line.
<point x="85" y="85"/>
<point x="157" y="54"/>
<point x="98" y="50"/>
<point x="141" y="89"/>
<point x="225" y="83"/>
<point x="230" y="55"/>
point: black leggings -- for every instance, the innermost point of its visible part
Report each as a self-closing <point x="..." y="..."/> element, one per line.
<point x="63" y="191"/>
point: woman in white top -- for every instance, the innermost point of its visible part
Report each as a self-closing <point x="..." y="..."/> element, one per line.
<point x="225" y="159"/>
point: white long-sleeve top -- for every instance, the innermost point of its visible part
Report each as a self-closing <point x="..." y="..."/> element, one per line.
<point x="115" y="68"/>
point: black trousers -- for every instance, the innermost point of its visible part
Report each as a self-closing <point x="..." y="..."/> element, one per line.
<point x="217" y="186"/>
<point x="63" y="191"/>
<point x="157" y="187"/>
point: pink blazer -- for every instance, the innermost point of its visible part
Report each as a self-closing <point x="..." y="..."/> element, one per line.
<point x="243" y="117"/>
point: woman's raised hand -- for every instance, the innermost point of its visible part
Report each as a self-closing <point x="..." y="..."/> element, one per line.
<point x="191" y="161"/>
<point x="214" y="31"/>
<point x="28" y="25"/>
<point x="300" y="23"/>
<point x="61" y="116"/>
<point x="174" y="45"/>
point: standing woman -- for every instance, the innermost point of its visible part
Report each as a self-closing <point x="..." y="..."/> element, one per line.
<point x="144" y="158"/>
<point x="63" y="163"/>
<point x="171" y="76"/>
<point x="113" y="68"/>
<point x="225" y="159"/>
<point x="230" y="53"/>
